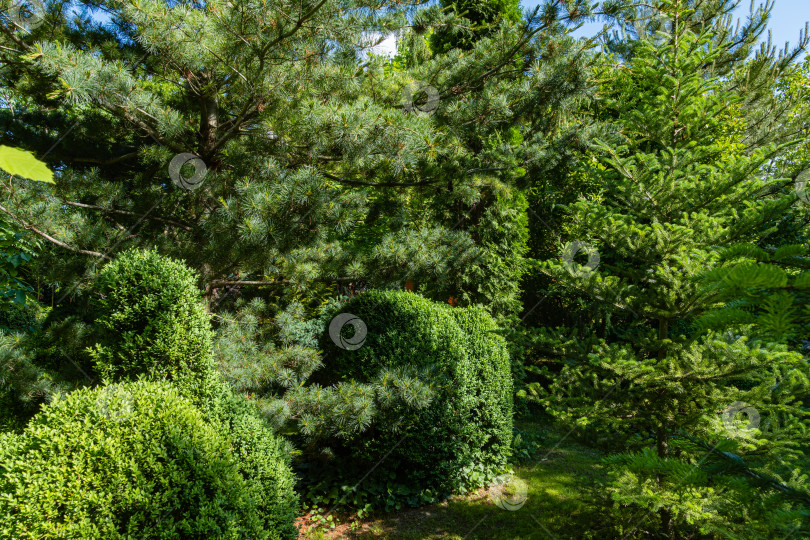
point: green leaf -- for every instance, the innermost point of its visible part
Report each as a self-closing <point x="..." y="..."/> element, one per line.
<point x="21" y="163"/>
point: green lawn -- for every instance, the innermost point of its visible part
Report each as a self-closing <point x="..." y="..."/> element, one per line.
<point x="557" y="504"/>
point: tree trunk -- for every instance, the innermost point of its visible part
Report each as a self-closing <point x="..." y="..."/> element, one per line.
<point x="209" y="123"/>
<point x="662" y="446"/>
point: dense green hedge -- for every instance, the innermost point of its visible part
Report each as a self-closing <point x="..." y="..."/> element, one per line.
<point x="468" y="424"/>
<point x="135" y="460"/>
<point x="151" y="321"/>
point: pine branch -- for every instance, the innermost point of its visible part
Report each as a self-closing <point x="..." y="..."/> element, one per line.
<point x="378" y="184"/>
<point x="112" y="161"/>
<point x="227" y="282"/>
<point x="298" y="25"/>
<point x="29" y="227"/>
<point x="128" y="213"/>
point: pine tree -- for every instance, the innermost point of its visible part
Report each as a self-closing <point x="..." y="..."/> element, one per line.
<point x="308" y="168"/>
<point x="14" y="252"/>
<point x="14" y="249"/>
<point x="678" y="184"/>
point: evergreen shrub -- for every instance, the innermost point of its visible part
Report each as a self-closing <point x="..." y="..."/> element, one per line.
<point x="154" y="326"/>
<point x="151" y="322"/>
<point x="135" y="460"/>
<point x="468" y="424"/>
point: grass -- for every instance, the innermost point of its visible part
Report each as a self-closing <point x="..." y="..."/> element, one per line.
<point x="559" y="475"/>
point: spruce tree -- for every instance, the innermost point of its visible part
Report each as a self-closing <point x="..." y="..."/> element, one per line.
<point x="678" y="183"/>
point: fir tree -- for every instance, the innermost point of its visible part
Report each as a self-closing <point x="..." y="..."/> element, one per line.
<point x="674" y="190"/>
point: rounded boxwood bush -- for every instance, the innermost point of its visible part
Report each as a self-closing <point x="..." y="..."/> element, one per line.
<point x="135" y="460"/>
<point x="153" y="325"/>
<point x="264" y="462"/>
<point x="468" y="425"/>
<point x="151" y="322"/>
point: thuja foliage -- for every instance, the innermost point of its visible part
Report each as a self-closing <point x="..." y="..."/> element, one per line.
<point x="129" y="460"/>
<point x="650" y="380"/>
<point x="502" y="232"/>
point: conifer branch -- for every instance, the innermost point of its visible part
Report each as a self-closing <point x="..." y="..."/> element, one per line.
<point x="128" y="213"/>
<point x="379" y="184"/>
<point x="740" y="463"/>
<point x="227" y="282"/>
<point x="111" y="161"/>
<point x="298" y="25"/>
<point x="29" y="227"/>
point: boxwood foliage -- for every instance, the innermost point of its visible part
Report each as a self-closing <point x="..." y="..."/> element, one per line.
<point x="153" y="326"/>
<point x="264" y="462"/>
<point x="135" y="460"/>
<point x="468" y="424"/>
<point x="151" y="321"/>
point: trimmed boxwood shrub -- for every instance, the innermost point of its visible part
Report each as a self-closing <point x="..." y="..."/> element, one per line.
<point x="467" y="426"/>
<point x="264" y="462"/>
<point x="151" y="321"/>
<point x="153" y="325"/>
<point x="135" y="460"/>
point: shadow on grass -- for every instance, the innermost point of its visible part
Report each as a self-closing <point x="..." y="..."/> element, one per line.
<point x="558" y="505"/>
